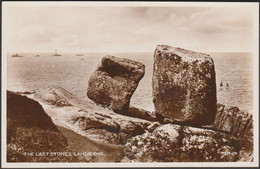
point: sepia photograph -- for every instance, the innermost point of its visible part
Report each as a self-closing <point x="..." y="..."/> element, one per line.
<point x="130" y="84"/>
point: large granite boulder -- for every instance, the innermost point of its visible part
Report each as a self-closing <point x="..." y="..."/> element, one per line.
<point x="174" y="143"/>
<point x="184" y="87"/>
<point x="114" y="82"/>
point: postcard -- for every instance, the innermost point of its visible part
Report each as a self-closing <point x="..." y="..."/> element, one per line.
<point x="130" y="84"/>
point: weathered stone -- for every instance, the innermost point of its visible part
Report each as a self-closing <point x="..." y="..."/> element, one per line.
<point x="239" y="123"/>
<point x="208" y="145"/>
<point x="174" y="143"/>
<point x="109" y="128"/>
<point x="30" y="129"/>
<point x="150" y="141"/>
<point x="184" y="87"/>
<point x="54" y="97"/>
<point x="90" y="120"/>
<point x="114" y="82"/>
<point x="233" y="120"/>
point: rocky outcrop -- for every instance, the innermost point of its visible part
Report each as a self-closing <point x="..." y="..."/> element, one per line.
<point x="55" y="96"/>
<point x="145" y="137"/>
<point x="174" y="143"/>
<point x="184" y="87"/>
<point x="239" y="123"/>
<point x="114" y="82"/>
<point x="233" y="120"/>
<point x="93" y="121"/>
<point x="186" y="126"/>
<point x="111" y="128"/>
<point x="30" y="129"/>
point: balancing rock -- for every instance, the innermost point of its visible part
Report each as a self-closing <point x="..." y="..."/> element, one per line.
<point x="184" y="86"/>
<point x="114" y="82"/>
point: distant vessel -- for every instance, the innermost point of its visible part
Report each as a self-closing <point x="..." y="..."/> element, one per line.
<point x="17" y="55"/>
<point x="37" y="56"/>
<point x="56" y="54"/>
<point x="221" y="84"/>
<point x="79" y="54"/>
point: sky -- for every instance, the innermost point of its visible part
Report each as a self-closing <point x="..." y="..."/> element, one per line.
<point x="128" y="29"/>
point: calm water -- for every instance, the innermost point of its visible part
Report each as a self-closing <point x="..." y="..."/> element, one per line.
<point x="72" y="73"/>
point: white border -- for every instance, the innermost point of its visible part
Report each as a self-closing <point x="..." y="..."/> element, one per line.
<point x="3" y="92"/>
<point x="255" y="6"/>
<point x="256" y="84"/>
<point x="124" y="4"/>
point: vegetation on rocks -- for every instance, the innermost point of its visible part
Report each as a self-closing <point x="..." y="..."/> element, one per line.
<point x="31" y="130"/>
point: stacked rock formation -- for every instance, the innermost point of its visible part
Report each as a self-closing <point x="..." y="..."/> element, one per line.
<point x="184" y="87"/>
<point x="187" y="124"/>
<point x="114" y="82"/>
<point x="184" y="94"/>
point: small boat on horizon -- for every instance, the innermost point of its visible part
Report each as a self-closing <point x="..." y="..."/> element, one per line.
<point x="80" y="54"/>
<point x="56" y="54"/>
<point x="37" y="56"/>
<point x="16" y="55"/>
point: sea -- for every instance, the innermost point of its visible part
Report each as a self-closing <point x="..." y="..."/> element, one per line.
<point x="72" y="72"/>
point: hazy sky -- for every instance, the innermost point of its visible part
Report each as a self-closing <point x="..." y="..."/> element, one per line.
<point x="128" y="29"/>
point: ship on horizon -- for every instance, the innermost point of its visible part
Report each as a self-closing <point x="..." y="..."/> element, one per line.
<point x="56" y="54"/>
<point x="16" y="55"/>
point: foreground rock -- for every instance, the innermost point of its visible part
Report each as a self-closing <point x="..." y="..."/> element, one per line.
<point x="239" y="123"/>
<point x="111" y="129"/>
<point x="174" y="143"/>
<point x="114" y="82"/>
<point x="30" y="129"/>
<point x="184" y="87"/>
<point x="145" y="138"/>
<point x="92" y="121"/>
